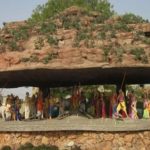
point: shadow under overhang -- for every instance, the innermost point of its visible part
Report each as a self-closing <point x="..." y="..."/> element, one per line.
<point x="68" y="77"/>
<point x="147" y="34"/>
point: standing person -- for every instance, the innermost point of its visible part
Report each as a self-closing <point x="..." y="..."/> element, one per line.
<point x="27" y="106"/>
<point x="146" y="114"/>
<point x="131" y="103"/>
<point x="46" y="107"/>
<point x="2" y="108"/>
<point x="83" y="105"/>
<point x="8" y="112"/>
<point x="75" y="100"/>
<point x="132" y="106"/>
<point x="97" y="105"/>
<point x="17" y="108"/>
<point x="33" y="106"/>
<point x="121" y="104"/>
<point x="40" y="106"/>
<point x="113" y="105"/>
<point x="133" y="114"/>
<point x="13" y="107"/>
<point x="102" y="106"/>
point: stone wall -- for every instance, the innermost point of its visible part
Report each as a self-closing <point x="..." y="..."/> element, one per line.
<point x="86" y="140"/>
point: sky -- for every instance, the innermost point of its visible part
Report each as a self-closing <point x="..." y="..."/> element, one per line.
<point x="138" y="7"/>
<point x="17" y="10"/>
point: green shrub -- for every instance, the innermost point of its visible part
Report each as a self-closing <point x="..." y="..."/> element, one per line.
<point x="47" y="28"/>
<point x="6" y="148"/>
<point x="52" y="40"/>
<point x="49" y="57"/>
<point x="139" y="54"/>
<point x="146" y="40"/>
<point x="107" y="27"/>
<point x="25" y="59"/>
<point x="45" y="147"/>
<point x="121" y="27"/>
<point x="13" y="45"/>
<point x="81" y="35"/>
<point x="138" y="36"/>
<point x="22" y="33"/>
<point x="144" y="59"/>
<point x="106" y="51"/>
<point x="34" y="58"/>
<point x="119" y="52"/>
<point x="130" y="18"/>
<point x="39" y="43"/>
<point x="53" y="7"/>
<point x="69" y="22"/>
<point x="2" y="41"/>
<point x="27" y="146"/>
<point x="101" y="35"/>
<point x="113" y="34"/>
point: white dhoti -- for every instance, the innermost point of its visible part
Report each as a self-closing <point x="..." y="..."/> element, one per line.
<point x="2" y="111"/>
<point x="27" y="112"/>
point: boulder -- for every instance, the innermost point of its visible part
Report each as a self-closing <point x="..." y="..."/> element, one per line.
<point x="45" y="140"/>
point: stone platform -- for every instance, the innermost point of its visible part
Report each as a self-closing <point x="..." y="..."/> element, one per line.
<point x="76" y="123"/>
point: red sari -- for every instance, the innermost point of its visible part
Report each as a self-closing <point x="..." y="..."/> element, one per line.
<point x="103" y="109"/>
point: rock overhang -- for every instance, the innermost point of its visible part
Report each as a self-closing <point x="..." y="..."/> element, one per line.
<point x="45" y="77"/>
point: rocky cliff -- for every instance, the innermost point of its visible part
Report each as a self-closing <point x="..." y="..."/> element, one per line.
<point x="74" y="38"/>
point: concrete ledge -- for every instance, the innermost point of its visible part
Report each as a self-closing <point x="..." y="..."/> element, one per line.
<point x="76" y="123"/>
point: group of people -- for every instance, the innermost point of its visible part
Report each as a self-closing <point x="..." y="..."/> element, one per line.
<point x="48" y="106"/>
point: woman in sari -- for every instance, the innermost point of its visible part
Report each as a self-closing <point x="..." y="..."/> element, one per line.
<point x="102" y="106"/>
<point x="145" y="105"/>
<point x="121" y="108"/>
<point x="133" y="114"/>
<point x="40" y="106"/>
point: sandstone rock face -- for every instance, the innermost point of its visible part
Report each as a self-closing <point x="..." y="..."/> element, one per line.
<point x="84" y="140"/>
<point x="78" y="40"/>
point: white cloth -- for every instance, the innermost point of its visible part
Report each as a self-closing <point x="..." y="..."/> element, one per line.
<point x="2" y="111"/>
<point x="27" y="112"/>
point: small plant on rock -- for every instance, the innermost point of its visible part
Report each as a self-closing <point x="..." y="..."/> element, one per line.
<point x="49" y="57"/>
<point x="146" y="40"/>
<point x="21" y="33"/>
<point x="130" y="18"/>
<point x="52" y="40"/>
<point x="119" y="52"/>
<point x="101" y="35"/>
<point x="6" y="148"/>
<point x="25" y="59"/>
<point x="13" y="45"/>
<point x="39" y="43"/>
<point x="121" y="27"/>
<point x="140" y="55"/>
<point x="49" y="27"/>
<point x="106" y="51"/>
<point x="34" y="58"/>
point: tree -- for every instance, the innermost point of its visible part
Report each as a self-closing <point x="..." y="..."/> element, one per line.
<point x="52" y="7"/>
